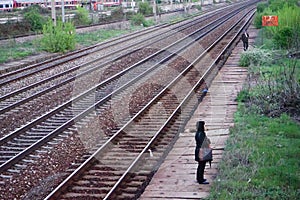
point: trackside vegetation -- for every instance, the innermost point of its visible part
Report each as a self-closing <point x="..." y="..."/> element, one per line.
<point x="261" y="157"/>
<point x="59" y="37"/>
<point x="63" y="37"/>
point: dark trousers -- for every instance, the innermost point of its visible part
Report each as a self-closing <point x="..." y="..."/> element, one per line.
<point x="200" y="171"/>
<point x="245" y="45"/>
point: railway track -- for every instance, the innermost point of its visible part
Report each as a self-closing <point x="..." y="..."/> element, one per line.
<point x="38" y="83"/>
<point x="128" y="134"/>
<point x="101" y="90"/>
<point x="123" y="181"/>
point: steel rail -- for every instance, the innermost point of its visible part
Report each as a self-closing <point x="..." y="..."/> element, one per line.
<point x="85" y="51"/>
<point x="206" y="14"/>
<point x="96" y="154"/>
<point x="191" y="93"/>
<point x="58" y="130"/>
<point x="28" y="87"/>
<point x="115" y="41"/>
<point x="117" y="75"/>
<point x="39" y="83"/>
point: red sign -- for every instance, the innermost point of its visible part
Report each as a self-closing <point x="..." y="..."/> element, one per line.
<point x="270" y="20"/>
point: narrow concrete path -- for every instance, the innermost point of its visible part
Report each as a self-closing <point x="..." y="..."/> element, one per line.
<point x="176" y="177"/>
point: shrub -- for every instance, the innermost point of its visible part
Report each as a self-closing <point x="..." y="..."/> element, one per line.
<point x="198" y="7"/>
<point x="274" y="90"/>
<point x="258" y="17"/>
<point x="59" y="38"/>
<point x="243" y="96"/>
<point x="258" y="20"/>
<point x="37" y="8"/>
<point x="283" y="37"/>
<point x="145" y="8"/>
<point x="276" y="5"/>
<point x="82" y="17"/>
<point x="34" y="18"/>
<point x="148" y="23"/>
<point x="255" y="56"/>
<point x="117" y="13"/>
<point x="261" y="7"/>
<point x="287" y="34"/>
<point x="138" y="19"/>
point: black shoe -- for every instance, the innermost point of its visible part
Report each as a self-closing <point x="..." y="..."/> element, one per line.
<point x="204" y="182"/>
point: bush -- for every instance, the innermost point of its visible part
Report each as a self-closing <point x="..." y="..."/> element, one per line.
<point x="117" y="13"/>
<point x="255" y="56"/>
<point x="82" y="17"/>
<point x="37" y="8"/>
<point x="261" y="7"/>
<point x="283" y="37"/>
<point x="258" y="17"/>
<point x="198" y="7"/>
<point x="258" y="20"/>
<point x="277" y="5"/>
<point x="145" y="8"/>
<point x="286" y="35"/>
<point x="148" y="23"/>
<point x="34" y="18"/>
<point x="274" y="90"/>
<point x="243" y="96"/>
<point x="138" y="19"/>
<point x="59" y="38"/>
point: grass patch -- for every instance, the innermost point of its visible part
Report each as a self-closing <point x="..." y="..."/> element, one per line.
<point x="86" y="39"/>
<point x="261" y="160"/>
<point x="272" y="89"/>
<point x="14" y="51"/>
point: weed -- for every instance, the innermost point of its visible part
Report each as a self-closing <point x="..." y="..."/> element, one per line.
<point x="256" y="56"/>
<point x="90" y="38"/>
<point x="261" y="160"/>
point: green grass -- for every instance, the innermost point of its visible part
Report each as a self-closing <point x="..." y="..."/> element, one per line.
<point x="261" y="160"/>
<point x="261" y="157"/>
<point x="19" y="51"/>
<point x="13" y="51"/>
<point x="86" y="39"/>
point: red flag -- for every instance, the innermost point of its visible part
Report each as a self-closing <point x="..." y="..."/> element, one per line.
<point x="270" y="20"/>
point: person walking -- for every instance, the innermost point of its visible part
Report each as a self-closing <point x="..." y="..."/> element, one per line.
<point x="245" y="38"/>
<point x="200" y="137"/>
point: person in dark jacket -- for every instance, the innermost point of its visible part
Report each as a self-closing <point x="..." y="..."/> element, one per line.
<point x="245" y="37"/>
<point x="199" y="137"/>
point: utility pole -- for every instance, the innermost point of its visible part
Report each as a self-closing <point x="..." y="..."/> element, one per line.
<point x="154" y="11"/>
<point x="53" y="12"/>
<point x="132" y="5"/>
<point x="62" y="11"/>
